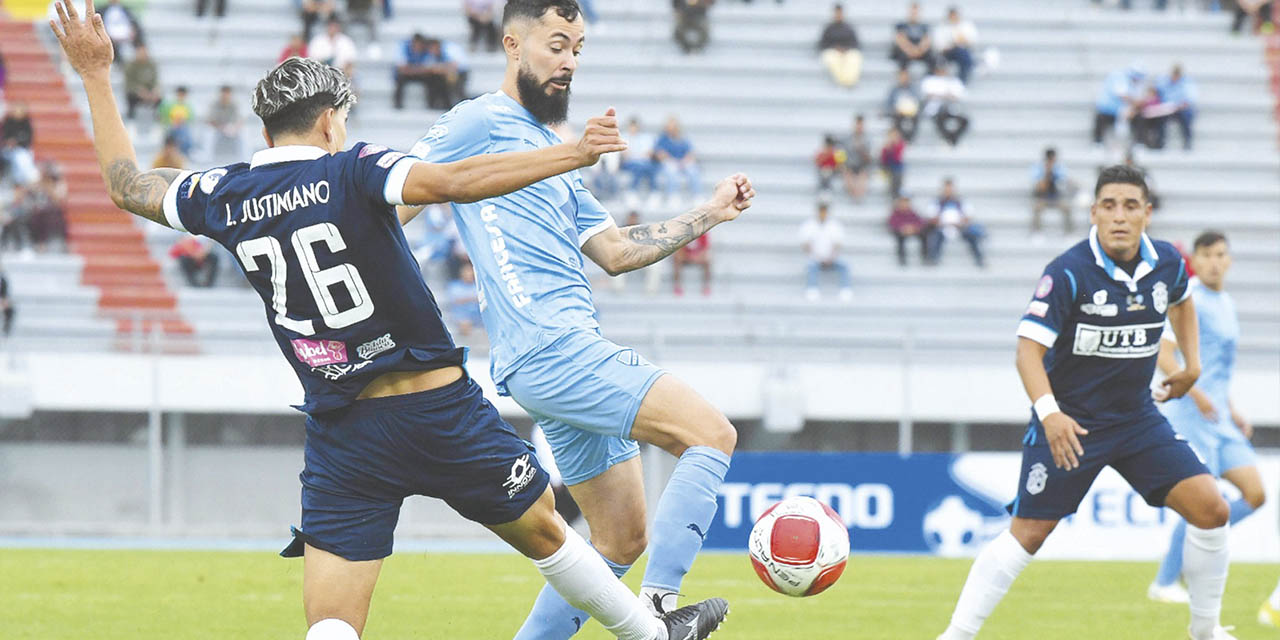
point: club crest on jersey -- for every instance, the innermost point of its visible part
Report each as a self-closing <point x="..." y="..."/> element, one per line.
<point x="318" y="353"/>
<point x="1100" y="296"/>
<point x="375" y="347"/>
<point x="1160" y="297"/>
<point x="1036" y="478"/>
<point x="522" y="473"/>
<point x="1045" y="286"/>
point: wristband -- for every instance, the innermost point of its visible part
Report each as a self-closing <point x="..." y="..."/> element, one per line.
<point x="1046" y="406"/>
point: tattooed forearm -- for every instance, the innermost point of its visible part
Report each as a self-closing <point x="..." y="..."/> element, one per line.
<point x="139" y="192"/>
<point x="649" y="243"/>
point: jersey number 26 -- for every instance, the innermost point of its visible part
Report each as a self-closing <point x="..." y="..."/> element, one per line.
<point x="318" y="280"/>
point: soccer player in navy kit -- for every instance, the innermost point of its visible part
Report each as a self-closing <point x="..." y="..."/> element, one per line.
<point x="391" y="412"/>
<point x="1087" y="349"/>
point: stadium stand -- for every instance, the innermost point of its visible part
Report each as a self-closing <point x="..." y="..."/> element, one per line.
<point x="757" y="101"/>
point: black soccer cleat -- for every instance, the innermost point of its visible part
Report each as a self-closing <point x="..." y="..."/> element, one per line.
<point x="696" y="621"/>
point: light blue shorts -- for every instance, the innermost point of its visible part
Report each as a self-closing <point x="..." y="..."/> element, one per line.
<point x="584" y="392"/>
<point x="1221" y="446"/>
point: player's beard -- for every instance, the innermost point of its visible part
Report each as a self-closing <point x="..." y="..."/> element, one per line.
<point x="549" y="109"/>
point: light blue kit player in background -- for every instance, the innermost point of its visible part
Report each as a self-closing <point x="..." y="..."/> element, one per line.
<point x="1206" y="417"/>
<point x="593" y="399"/>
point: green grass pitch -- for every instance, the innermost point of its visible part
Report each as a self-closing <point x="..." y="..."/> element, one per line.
<point x="144" y="595"/>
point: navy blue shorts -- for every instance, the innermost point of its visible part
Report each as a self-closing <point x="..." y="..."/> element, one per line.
<point x="1150" y="456"/>
<point x="447" y="443"/>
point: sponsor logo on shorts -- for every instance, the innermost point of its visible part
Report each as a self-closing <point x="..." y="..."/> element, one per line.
<point x="1038" y="308"/>
<point x="386" y="161"/>
<point x="333" y="372"/>
<point x="370" y="149"/>
<point x="1124" y="341"/>
<point x="317" y="353"/>
<point x="1036" y="478"/>
<point x="522" y="473"/>
<point x="630" y="358"/>
<point x="375" y="346"/>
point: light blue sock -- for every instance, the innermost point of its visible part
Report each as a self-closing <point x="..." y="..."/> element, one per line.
<point x="1171" y="566"/>
<point x="685" y="511"/>
<point x="554" y="619"/>
<point x="1240" y="510"/>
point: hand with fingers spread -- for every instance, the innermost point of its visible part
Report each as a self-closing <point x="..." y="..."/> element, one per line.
<point x="732" y="196"/>
<point x="600" y="136"/>
<point x="1063" y="434"/>
<point x="85" y="43"/>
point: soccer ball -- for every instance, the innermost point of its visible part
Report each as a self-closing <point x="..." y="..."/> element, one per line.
<point x="799" y="547"/>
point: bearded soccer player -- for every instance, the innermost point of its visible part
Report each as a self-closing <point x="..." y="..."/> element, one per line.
<point x="1206" y="417"/>
<point x="1087" y="349"/>
<point x="593" y="399"/>
<point x="391" y="412"/>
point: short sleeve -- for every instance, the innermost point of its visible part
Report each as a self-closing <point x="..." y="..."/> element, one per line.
<point x="592" y="216"/>
<point x="1180" y="290"/>
<point x="186" y="202"/>
<point x="378" y="173"/>
<point x="458" y="134"/>
<point x="1050" y="306"/>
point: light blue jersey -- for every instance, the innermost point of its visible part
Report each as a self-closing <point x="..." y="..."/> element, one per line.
<point x="526" y="246"/>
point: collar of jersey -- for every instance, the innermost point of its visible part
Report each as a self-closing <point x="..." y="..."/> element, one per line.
<point x="287" y="153"/>
<point x="1145" y="249"/>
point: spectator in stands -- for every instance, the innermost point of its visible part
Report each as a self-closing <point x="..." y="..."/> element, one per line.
<point x="483" y="16"/>
<point x="905" y="223"/>
<point x="903" y="106"/>
<point x="693" y="26"/>
<point x="456" y="56"/>
<point x="176" y="115"/>
<point x="122" y="28"/>
<point x="226" y="125"/>
<point x="858" y="162"/>
<point x="943" y="96"/>
<point x="296" y="48"/>
<point x="416" y="65"/>
<point x="197" y="260"/>
<point x="822" y="237"/>
<point x="638" y="162"/>
<point x="1180" y="94"/>
<point x="1145" y="117"/>
<point x="20" y="163"/>
<point x="1260" y="11"/>
<point x="698" y="253"/>
<point x="464" y="301"/>
<point x="911" y="41"/>
<point x="219" y="8"/>
<point x="7" y="308"/>
<point x="365" y="12"/>
<point x="42" y="207"/>
<point x="893" y="161"/>
<point x="674" y="155"/>
<point x="828" y="161"/>
<point x="956" y="39"/>
<point x="839" y="49"/>
<point x="23" y="174"/>
<point x="1051" y="188"/>
<point x="170" y="156"/>
<point x="313" y="11"/>
<point x="16" y="127"/>
<point x="1121" y="89"/>
<point x="141" y="82"/>
<point x="951" y="220"/>
<point x="334" y="47"/>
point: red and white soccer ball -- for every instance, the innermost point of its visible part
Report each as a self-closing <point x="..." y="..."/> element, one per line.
<point x="799" y="547"/>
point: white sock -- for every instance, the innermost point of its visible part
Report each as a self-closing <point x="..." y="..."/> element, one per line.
<point x="1275" y="597"/>
<point x="1204" y="565"/>
<point x="666" y="596"/>
<point x="332" y="629"/>
<point x="993" y="571"/>
<point x="580" y="576"/>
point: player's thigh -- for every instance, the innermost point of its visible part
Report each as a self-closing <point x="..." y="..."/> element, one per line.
<point x="538" y="532"/>
<point x="1199" y="502"/>
<point x="613" y="503"/>
<point x="334" y="587"/>
<point x="1248" y="480"/>
<point x="1166" y="471"/>
<point x="675" y="417"/>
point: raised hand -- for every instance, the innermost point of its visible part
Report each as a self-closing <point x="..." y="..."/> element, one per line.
<point x="85" y="44"/>
<point x="600" y="136"/>
<point x="732" y="196"/>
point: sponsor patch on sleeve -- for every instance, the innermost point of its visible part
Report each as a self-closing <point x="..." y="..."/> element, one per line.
<point x="1045" y="286"/>
<point x="1038" y="308"/>
<point x="371" y="149"/>
<point x="386" y="161"/>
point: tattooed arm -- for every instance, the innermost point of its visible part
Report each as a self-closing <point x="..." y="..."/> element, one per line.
<point x="89" y="51"/>
<point x="619" y="250"/>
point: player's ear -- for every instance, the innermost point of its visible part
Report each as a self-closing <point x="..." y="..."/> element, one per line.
<point x="511" y="45"/>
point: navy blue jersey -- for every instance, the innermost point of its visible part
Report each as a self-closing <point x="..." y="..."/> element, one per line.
<point x="318" y="238"/>
<point x="1102" y="327"/>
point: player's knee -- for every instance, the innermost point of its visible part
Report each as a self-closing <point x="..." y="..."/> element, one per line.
<point x="1255" y="496"/>
<point x="625" y="549"/>
<point x="719" y="433"/>
<point x="1213" y="515"/>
